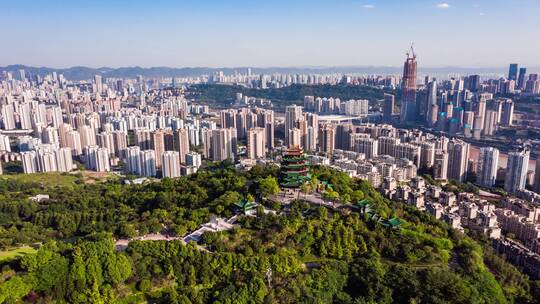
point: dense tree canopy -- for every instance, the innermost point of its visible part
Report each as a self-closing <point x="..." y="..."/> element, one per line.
<point x="225" y="94"/>
<point x="301" y="254"/>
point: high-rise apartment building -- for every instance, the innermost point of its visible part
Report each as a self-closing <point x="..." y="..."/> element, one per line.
<point x="343" y="133"/>
<point x="102" y="160"/>
<point x="220" y="144"/>
<point x="295" y="138"/>
<point x="97" y="159"/>
<point x="55" y="116"/>
<point x="143" y="136"/>
<point x="193" y="159"/>
<point x="533" y="84"/>
<point x="148" y="163"/>
<point x="228" y="118"/>
<point x="490" y="123"/>
<point x="256" y="143"/>
<point x="309" y="129"/>
<point x="408" y="151"/>
<point x="358" y="107"/>
<point x="181" y="143"/>
<point x="516" y="171"/>
<point x="292" y="115"/>
<point x="63" y="130"/>
<point x="488" y="164"/>
<point x="440" y="165"/>
<point x="368" y="146"/>
<point x="106" y="140"/>
<point x="388" y="107"/>
<point x="431" y="102"/>
<point x="64" y="160"/>
<point x="99" y="84"/>
<point x="242" y="123"/>
<point x="8" y="117"/>
<point x="46" y="161"/>
<point x="427" y="154"/>
<point x="29" y="162"/>
<point x="458" y="156"/>
<point x="133" y="160"/>
<point x="327" y="135"/>
<point x="25" y="118"/>
<point x="73" y="141"/>
<point x="387" y="145"/>
<point x="170" y="164"/>
<point x="266" y="120"/>
<point x="4" y="143"/>
<point x="158" y="145"/>
<point x="49" y="135"/>
<point x="507" y="113"/>
<point x="88" y="136"/>
<point x="120" y="143"/>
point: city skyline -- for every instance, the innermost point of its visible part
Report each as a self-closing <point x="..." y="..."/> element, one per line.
<point x="306" y="151"/>
<point x="242" y="33"/>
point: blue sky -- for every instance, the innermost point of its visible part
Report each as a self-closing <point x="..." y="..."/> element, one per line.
<point x="218" y="33"/>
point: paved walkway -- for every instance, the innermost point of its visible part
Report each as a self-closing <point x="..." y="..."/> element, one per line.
<point x="216" y="224"/>
<point x="122" y="244"/>
<point x="315" y="198"/>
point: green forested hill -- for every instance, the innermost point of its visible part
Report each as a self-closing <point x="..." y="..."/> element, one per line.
<point x="225" y="94"/>
<point x="301" y="254"/>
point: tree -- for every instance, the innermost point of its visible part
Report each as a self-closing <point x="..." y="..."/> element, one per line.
<point x="306" y="187"/>
<point x="77" y="277"/>
<point x="331" y="195"/>
<point x="268" y="186"/>
<point x="357" y="195"/>
<point x="14" y="289"/>
<point x="226" y="200"/>
<point x="368" y="279"/>
<point x="47" y="267"/>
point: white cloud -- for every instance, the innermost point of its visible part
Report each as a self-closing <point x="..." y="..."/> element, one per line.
<point x="443" y="5"/>
<point x="482" y="14"/>
<point x="368" y="6"/>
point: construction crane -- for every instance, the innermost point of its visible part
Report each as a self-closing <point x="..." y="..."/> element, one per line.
<point x="411" y="52"/>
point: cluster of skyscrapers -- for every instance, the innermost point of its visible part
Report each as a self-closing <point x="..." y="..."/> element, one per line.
<point x="51" y="124"/>
<point x="459" y="106"/>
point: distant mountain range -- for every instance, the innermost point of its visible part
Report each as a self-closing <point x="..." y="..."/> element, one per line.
<point x="83" y="73"/>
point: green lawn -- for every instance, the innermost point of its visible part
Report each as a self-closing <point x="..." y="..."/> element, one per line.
<point x="46" y="179"/>
<point x="16" y="252"/>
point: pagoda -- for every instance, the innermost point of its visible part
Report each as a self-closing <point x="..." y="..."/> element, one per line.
<point x="294" y="169"/>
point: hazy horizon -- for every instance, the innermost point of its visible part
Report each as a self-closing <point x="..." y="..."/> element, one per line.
<point x="505" y="67"/>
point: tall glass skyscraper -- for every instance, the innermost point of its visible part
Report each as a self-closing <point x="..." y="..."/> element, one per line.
<point x="513" y="71"/>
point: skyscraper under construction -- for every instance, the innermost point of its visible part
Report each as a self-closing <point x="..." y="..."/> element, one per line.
<point x="408" y="96"/>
